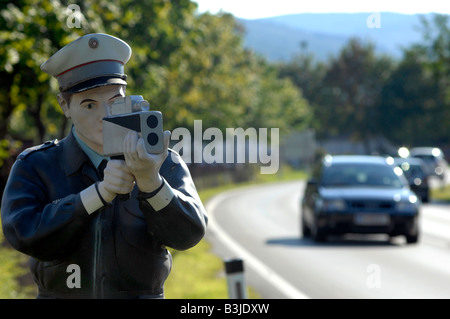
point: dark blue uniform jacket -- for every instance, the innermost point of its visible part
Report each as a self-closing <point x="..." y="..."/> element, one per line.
<point x="120" y="250"/>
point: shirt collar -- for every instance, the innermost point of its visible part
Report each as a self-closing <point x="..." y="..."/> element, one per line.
<point x="95" y="157"/>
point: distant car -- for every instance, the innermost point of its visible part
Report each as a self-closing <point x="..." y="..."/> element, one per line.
<point x="433" y="157"/>
<point x="416" y="172"/>
<point x="359" y="194"/>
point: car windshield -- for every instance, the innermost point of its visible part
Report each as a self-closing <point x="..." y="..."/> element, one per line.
<point x="348" y="175"/>
<point x="427" y="158"/>
<point x="412" y="171"/>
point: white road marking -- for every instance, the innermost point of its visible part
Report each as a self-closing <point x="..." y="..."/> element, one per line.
<point x="264" y="271"/>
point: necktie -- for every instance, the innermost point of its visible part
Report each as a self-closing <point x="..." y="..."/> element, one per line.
<point x="102" y="167"/>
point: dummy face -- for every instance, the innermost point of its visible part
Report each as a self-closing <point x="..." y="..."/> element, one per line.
<point x="87" y="109"/>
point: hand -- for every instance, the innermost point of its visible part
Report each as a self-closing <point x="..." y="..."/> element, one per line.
<point x="117" y="180"/>
<point x="144" y="166"/>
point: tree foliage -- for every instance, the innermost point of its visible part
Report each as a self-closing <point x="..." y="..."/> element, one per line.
<point x="361" y="95"/>
<point x="188" y="65"/>
<point x="30" y="31"/>
<point x="417" y="95"/>
<point x="354" y="81"/>
<point x="194" y="66"/>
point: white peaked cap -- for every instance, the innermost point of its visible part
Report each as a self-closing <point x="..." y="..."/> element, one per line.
<point x="90" y="61"/>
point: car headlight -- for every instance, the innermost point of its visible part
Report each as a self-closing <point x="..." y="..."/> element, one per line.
<point x="439" y="170"/>
<point x="409" y="205"/>
<point x="332" y="205"/>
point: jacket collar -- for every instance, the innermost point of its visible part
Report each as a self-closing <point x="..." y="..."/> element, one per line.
<point x="75" y="159"/>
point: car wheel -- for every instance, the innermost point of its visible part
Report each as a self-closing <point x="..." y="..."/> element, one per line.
<point x="412" y="239"/>
<point x="412" y="236"/>
<point x="304" y="229"/>
<point x="319" y="234"/>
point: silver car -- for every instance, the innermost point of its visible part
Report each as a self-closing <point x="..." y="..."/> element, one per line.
<point x="433" y="157"/>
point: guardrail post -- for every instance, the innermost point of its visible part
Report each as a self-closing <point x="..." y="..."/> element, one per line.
<point x="234" y="269"/>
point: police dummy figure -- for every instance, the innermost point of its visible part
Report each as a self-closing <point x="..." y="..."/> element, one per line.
<point x="62" y="209"/>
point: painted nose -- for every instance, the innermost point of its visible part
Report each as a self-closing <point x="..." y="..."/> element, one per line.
<point x="103" y="112"/>
<point x="106" y="110"/>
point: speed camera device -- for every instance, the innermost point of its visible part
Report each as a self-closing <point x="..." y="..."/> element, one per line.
<point x="132" y="113"/>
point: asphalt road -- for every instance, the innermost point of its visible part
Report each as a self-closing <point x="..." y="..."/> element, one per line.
<point x="261" y="225"/>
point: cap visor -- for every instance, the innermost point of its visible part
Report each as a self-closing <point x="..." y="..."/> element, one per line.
<point x="97" y="82"/>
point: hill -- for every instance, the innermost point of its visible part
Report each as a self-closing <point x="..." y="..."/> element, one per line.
<point x="324" y="34"/>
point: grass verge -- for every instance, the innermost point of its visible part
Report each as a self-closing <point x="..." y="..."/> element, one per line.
<point x="441" y="194"/>
<point x="13" y="271"/>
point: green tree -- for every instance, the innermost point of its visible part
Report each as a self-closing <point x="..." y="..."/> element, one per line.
<point x="409" y="114"/>
<point x="417" y="96"/>
<point x="307" y="74"/>
<point x="434" y="50"/>
<point x="188" y="65"/>
<point x="353" y="83"/>
<point x="344" y="91"/>
<point x="213" y="78"/>
<point x="30" y="31"/>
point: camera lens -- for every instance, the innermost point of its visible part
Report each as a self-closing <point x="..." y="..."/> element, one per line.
<point x="152" y="139"/>
<point x="152" y="121"/>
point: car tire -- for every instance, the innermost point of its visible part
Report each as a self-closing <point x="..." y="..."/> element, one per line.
<point x="412" y="239"/>
<point x="412" y="236"/>
<point x="319" y="234"/>
<point x="305" y="230"/>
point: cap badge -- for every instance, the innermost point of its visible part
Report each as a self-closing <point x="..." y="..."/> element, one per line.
<point x="93" y="43"/>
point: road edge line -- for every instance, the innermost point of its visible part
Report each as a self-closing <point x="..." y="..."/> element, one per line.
<point x="264" y="271"/>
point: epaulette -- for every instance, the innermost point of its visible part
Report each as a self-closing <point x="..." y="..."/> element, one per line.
<point x="36" y="148"/>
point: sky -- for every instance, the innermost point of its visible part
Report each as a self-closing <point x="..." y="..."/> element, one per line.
<point x="255" y="9"/>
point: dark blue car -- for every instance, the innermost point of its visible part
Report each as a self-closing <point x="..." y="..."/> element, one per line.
<point x="359" y="194"/>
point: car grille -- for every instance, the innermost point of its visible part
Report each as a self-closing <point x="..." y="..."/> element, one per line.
<point x="371" y="205"/>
